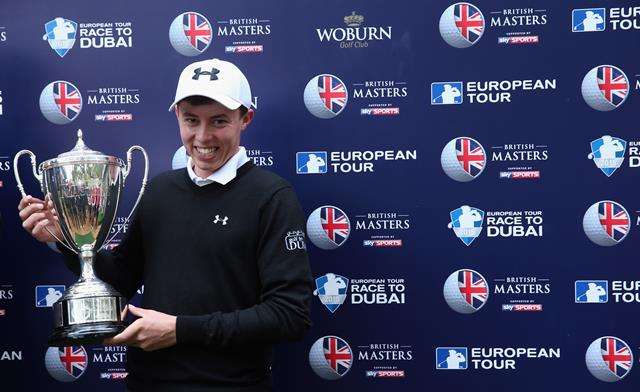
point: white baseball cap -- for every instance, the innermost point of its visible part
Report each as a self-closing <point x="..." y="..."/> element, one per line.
<point x="219" y="80"/>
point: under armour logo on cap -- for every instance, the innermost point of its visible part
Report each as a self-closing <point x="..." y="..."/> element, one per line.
<point x="213" y="75"/>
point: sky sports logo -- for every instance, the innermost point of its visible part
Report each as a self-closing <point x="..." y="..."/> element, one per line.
<point x="522" y="307"/>
<point x="519" y="40"/>
<point x="380" y="111"/>
<point x="114" y="117"/>
<point x="382" y="243"/>
<point x="385" y="373"/>
<point x="520" y="175"/>
<point x="240" y="49"/>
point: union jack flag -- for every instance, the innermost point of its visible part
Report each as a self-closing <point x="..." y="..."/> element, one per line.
<point x="338" y="354"/>
<point x="613" y="84"/>
<point x="74" y="360"/>
<point x="617" y="355"/>
<point x="471" y="156"/>
<point x="332" y="92"/>
<point x="614" y="220"/>
<point x="198" y="29"/>
<point x="473" y="288"/>
<point x="67" y="99"/>
<point x="469" y="21"/>
<point x="335" y="223"/>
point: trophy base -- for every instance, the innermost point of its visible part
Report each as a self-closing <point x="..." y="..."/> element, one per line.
<point x="89" y="334"/>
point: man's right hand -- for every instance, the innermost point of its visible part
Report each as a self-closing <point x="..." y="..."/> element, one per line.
<point x="37" y="214"/>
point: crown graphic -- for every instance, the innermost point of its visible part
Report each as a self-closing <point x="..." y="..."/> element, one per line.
<point x="353" y="20"/>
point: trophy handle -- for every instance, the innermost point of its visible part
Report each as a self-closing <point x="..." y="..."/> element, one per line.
<point x="125" y="174"/>
<point x="37" y="173"/>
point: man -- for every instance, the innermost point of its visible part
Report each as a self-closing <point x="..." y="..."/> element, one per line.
<point x="211" y="245"/>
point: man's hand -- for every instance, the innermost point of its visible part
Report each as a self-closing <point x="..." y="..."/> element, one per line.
<point x="37" y="216"/>
<point x="152" y="331"/>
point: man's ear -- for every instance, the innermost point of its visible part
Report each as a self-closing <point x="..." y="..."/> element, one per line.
<point x="247" y="118"/>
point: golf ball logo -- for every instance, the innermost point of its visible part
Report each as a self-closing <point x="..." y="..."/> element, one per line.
<point x="461" y="25"/>
<point x="328" y="227"/>
<point x="607" y="153"/>
<point x="190" y="34"/>
<point x="609" y="359"/>
<point x="605" y="87"/>
<point x="60" y="102"/>
<point x="330" y="357"/>
<point x="463" y="159"/>
<point x="466" y="223"/>
<point x="466" y="291"/>
<point x="66" y="364"/>
<point x="606" y="223"/>
<point x="325" y="96"/>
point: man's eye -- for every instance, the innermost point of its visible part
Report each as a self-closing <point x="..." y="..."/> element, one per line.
<point x="190" y="120"/>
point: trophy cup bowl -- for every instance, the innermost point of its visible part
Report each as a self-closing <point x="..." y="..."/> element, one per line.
<point x="85" y="188"/>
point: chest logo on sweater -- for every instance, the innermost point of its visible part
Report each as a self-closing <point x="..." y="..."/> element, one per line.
<point x="223" y="221"/>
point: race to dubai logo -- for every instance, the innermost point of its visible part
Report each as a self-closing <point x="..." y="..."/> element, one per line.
<point x="607" y="153"/>
<point x="325" y="96"/>
<point x="606" y="223"/>
<point x="66" y="364"/>
<point x="609" y="359"/>
<point x="331" y="289"/>
<point x="328" y="227"/>
<point x="463" y="159"/>
<point x="466" y="223"/>
<point x="605" y="88"/>
<point x="461" y="25"/>
<point x="331" y="357"/>
<point x="60" y="102"/>
<point x="190" y="34"/>
<point x="61" y="35"/>
<point x="466" y="291"/>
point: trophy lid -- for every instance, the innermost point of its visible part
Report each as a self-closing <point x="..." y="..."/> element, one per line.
<point x="80" y="149"/>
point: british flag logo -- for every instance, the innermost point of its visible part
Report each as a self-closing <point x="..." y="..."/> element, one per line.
<point x="613" y="84"/>
<point x="617" y="355"/>
<point x="471" y="156"/>
<point x="473" y="288"/>
<point x="197" y="29"/>
<point x="67" y="99"/>
<point x="73" y="359"/>
<point x="469" y="21"/>
<point x="338" y="354"/>
<point x="614" y="220"/>
<point x="335" y="224"/>
<point x="333" y="93"/>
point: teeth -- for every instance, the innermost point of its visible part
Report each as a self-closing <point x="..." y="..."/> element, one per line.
<point x="204" y="150"/>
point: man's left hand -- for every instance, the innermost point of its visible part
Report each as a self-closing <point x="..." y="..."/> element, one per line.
<point x="152" y="331"/>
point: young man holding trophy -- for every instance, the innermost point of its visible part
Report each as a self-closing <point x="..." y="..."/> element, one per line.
<point x="219" y="247"/>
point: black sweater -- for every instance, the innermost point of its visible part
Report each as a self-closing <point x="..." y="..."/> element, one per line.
<point x="237" y="285"/>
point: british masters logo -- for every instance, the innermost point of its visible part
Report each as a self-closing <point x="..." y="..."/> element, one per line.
<point x="463" y="159"/>
<point x="328" y="227"/>
<point x="66" y="364"/>
<point x="606" y="223"/>
<point x="61" y="35"/>
<point x="607" y="153"/>
<point x="190" y="34"/>
<point x="605" y="88"/>
<point x="466" y="223"/>
<point x="466" y="291"/>
<point x="60" y="102"/>
<point x="609" y="359"/>
<point x="518" y="26"/>
<point x="246" y="33"/>
<point x="331" y="357"/>
<point x="331" y="289"/>
<point x="325" y="96"/>
<point x="521" y="160"/>
<point x="381" y="97"/>
<point x="461" y="25"/>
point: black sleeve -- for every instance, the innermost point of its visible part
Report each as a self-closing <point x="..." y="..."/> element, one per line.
<point x="122" y="268"/>
<point x="283" y="311"/>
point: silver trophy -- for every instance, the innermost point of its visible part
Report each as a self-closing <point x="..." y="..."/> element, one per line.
<point x="85" y="188"/>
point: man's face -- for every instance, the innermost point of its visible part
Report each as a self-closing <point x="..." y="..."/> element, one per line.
<point x="210" y="133"/>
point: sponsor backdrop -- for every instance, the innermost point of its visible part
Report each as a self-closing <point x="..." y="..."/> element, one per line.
<point x="466" y="170"/>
